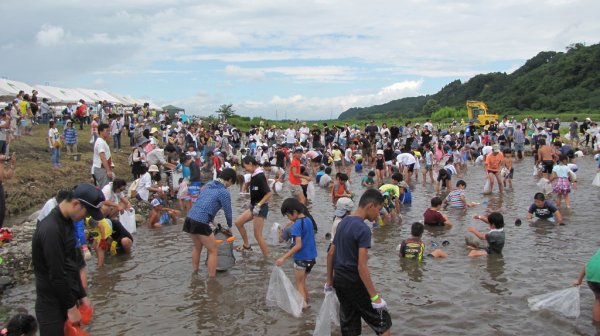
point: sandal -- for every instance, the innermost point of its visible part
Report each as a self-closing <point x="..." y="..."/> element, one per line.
<point x="242" y="248"/>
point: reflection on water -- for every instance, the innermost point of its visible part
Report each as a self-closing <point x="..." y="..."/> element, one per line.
<point x="154" y="292"/>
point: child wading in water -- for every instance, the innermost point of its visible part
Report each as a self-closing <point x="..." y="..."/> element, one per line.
<point x="508" y="169"/>
<point x="494" y="238"/>
<point x="303" y="248"/>
<point x="560" y="178"/>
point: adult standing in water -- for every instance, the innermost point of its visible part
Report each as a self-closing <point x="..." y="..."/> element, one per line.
<point x="260" y="193"/>
<point x="56" y="260"/>
<point x="5" y="174"/>
<point x="213" y="198"/>
<point x="348" y="272"/>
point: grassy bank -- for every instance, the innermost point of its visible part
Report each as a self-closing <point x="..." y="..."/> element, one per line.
<point x="35" y="180"/>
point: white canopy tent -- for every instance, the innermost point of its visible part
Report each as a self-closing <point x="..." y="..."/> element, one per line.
<point x="98" y="95"/>
<point x="129" y="101"/>
<point x="11" y="88"/>
<point x="60" y="95"/>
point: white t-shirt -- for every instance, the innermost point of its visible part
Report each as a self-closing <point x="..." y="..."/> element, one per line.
<point x="348" y="154"/>
<point x="143" y="185"/>
<point x="100" y="146"/>
<point x="486" y="150"/>
<point x="109" y="193"/>
<point x="290" y="135"/>
<point x="54" y="135"/>
<point x="406" y="159"/>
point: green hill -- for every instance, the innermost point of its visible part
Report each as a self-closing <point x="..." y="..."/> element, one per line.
<point x="550" y="82"/>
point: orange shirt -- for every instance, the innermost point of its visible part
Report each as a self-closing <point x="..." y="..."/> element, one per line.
<point x="492" y="162"/>
<point x="293" y="179"/>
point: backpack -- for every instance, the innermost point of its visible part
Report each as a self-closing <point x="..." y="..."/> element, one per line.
<point x="130" y="159"/>
<point x="132" y="191"/>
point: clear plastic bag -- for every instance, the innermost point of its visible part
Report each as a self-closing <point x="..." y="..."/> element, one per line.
<point x="282" y="293"/>
<point x="329" y="313"/>
<point x="487" y="188"/>
<point x="310" y="191"/>
<point x="273" y="238"/>
<point x="127" y="218"/>
<point x="536" y="171"/>
<point x="565" y="302"/>
<point x="278" y="187"/>
<point x="596" y="181"/>
<point x="545" y="185"/>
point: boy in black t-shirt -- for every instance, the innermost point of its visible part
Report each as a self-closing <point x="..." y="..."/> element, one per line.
<point x="494" y="238"/>
<point x="347" y="255"/>
<point x="543" y="209"/>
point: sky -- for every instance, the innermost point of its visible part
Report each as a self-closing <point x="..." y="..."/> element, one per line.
<point x="280" y="59"/>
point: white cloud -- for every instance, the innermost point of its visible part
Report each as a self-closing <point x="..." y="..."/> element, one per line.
<point x="302" y="107"/>
<point x="49" y="35"/>
<point x="299" y="73"/>
<point x="347" y="45"/>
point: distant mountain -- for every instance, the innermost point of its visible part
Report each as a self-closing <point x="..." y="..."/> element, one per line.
<point x="553" y="82"/>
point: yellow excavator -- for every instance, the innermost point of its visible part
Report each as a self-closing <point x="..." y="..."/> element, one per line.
<point x="478" y="113"/>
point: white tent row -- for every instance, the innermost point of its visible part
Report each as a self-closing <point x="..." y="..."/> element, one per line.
<point x="10" y="88"/>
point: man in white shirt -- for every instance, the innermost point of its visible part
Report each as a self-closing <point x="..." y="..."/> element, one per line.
<point x="290" y="136"/>
<point x="115" y="132"/>
<point x="304" y="132"/>
<point x="101" y="159"/>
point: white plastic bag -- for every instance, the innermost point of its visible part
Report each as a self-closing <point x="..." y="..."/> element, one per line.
<point x="329" y="313"/>
<point x="545" y="185"/>
<point x="536" y="171"/>
<point x="487" y="189"/>
<point x="127" y="218"/>
<point x="278" y="187"/>
<point x="310" y="191"/>
<point x="596" y="181"/>
<point x="565" y="302"/>
<point x="282" y="293"/>
<point x="175" y="176"/>
<point x="273" y="238"/>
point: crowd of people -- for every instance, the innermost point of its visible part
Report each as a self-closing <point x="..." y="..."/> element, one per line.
<point x="192" y="165"/>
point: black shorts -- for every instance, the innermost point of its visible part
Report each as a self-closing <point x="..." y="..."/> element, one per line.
<point x="192" y="227"/>
<point x="595" y="287"/>
<point x="411" y="167"/>
<point x="355" y="304"/>
<point x="306" y="265"/>
<point x="264" y="210"/>
<point x="547" y="166"/>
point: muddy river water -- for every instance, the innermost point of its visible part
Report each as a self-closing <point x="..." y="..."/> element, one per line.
<point x="153" y="292"/>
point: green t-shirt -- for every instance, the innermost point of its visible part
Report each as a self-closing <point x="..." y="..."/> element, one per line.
<point x="393" y="190"/>
<point x="592" y="268"/>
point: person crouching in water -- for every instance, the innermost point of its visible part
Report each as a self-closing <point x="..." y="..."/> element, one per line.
<point x="494" y="238"/>
<point x="213" y="198"/>
<point x="303" y="247"/>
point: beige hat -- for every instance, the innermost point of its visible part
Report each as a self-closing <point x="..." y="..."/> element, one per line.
<point x="153" y="168"/>
<point x="153" y="130"/>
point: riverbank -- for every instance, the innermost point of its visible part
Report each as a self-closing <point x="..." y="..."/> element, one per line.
<point x="35" y="181"/>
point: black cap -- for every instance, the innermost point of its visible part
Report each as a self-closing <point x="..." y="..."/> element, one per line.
<point x="91" y="198"/>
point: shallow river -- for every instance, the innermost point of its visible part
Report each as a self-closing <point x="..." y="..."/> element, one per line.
<point x="154" y="293"/>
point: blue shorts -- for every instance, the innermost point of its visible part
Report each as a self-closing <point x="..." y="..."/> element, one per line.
<point x="194" y="191"/>
<point x="164" y="218"/>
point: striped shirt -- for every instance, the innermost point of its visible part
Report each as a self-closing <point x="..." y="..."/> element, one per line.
<point x="213" y="198"/>
<point x="70" y="136"/>
<point x="454" y="199"/>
